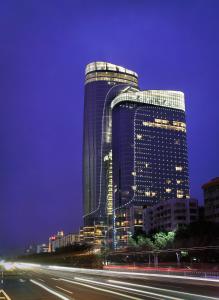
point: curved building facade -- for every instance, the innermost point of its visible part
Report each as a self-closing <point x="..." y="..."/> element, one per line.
<point x="134" y="149"/>
<point x="103" y="82"/>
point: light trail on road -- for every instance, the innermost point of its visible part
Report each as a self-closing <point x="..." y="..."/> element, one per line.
<point x="103" y="290"/>
<point x="81" y="284"/>
<point x="160" y="296"/>
<point x="51" y="291"/>
<point x="162" y="290"/>
<point x="122" y="273"/>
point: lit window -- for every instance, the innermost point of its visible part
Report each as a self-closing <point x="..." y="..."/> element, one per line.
<point x="168" y="190"/>
<point x="139" y="136"/>
<point x="134" y="173"/>
<point x="106" y="157"/>
<point x="150" y="194"/>
<point x="162" y="121"/>
<point x="180" y="124"/>
<point x="168" y="181"/>
<point x="164" y="126"/>
<point x="134" y="187"/>
<point x="178" y="181"/>
<point x="179" y="168"/>
<point x="179" y="194"/>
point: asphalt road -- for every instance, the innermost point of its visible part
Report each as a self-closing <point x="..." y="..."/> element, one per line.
<point x="34" y="282"/>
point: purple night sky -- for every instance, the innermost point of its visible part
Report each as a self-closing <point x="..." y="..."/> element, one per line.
<point x="44" y="47"/>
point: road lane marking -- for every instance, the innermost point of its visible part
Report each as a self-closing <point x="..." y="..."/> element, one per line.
<point x="55" y="278"/>
<point x="59" y="287"/>
<point x="102" y="290"/>
<point x="160" y="289"/>
<point x="6" y="297"/>
<point x="128" y="289"/>
<point x="49" y="290"/>
<point x="41" y="279"/>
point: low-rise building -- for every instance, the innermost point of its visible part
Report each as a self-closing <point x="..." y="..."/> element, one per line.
<point x="128" y="222"/>
<point x="95" y="235"/>
<point x="81" y="234"/>
<point x="211" y="200"/>
<point x="31" y="249"/>
<point x="54" y="241"/>
<point x="42" y="248"/>
<point x="61" y="240"/>
<point x="170" y="214"/>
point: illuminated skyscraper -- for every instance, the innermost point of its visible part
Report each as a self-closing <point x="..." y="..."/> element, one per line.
<point x="134" y="151"/>
<point x="150" y="162"/>
<point x="103" y="81"/>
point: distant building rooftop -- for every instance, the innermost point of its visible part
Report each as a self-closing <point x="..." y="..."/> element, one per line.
<point x="212" y="182"/>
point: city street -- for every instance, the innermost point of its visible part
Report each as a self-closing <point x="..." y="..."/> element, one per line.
<point x="50" y="282"/>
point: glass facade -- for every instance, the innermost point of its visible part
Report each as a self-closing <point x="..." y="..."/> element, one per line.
<point x="134" y="149"/>
<point x="150" y="161"/>
<point x="103" y="82"/>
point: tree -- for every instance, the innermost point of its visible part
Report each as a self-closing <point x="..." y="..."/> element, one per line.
<point x="145" y="243"/>
<point x="171" y="237"/>
<point x="162" y="239"/>
<point x="132" y="242"/>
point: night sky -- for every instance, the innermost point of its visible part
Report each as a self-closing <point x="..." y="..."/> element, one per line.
<point x="44" y="47"/>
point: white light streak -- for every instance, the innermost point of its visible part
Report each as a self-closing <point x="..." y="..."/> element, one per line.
<point x="8" y="266"/>
<point x="102" y="290"/>
<point x="160" y="289"/>
<point x="122" y="273"/>
<point x="49" y="290"/>
<point x="59" y="287"/>
<point x="128" y="289"/>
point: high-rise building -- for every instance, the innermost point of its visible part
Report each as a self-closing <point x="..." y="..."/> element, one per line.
<point x="135" y="150"/>
<point x="103" y="81"/>
<point x="149" y="150"/>
<point x="211" y="200"/>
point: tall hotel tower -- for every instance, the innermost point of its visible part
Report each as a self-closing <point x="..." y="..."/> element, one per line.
<point x="149" y="153"/>
<point x="135" y="150"/>
<point x="103" y="81"/>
